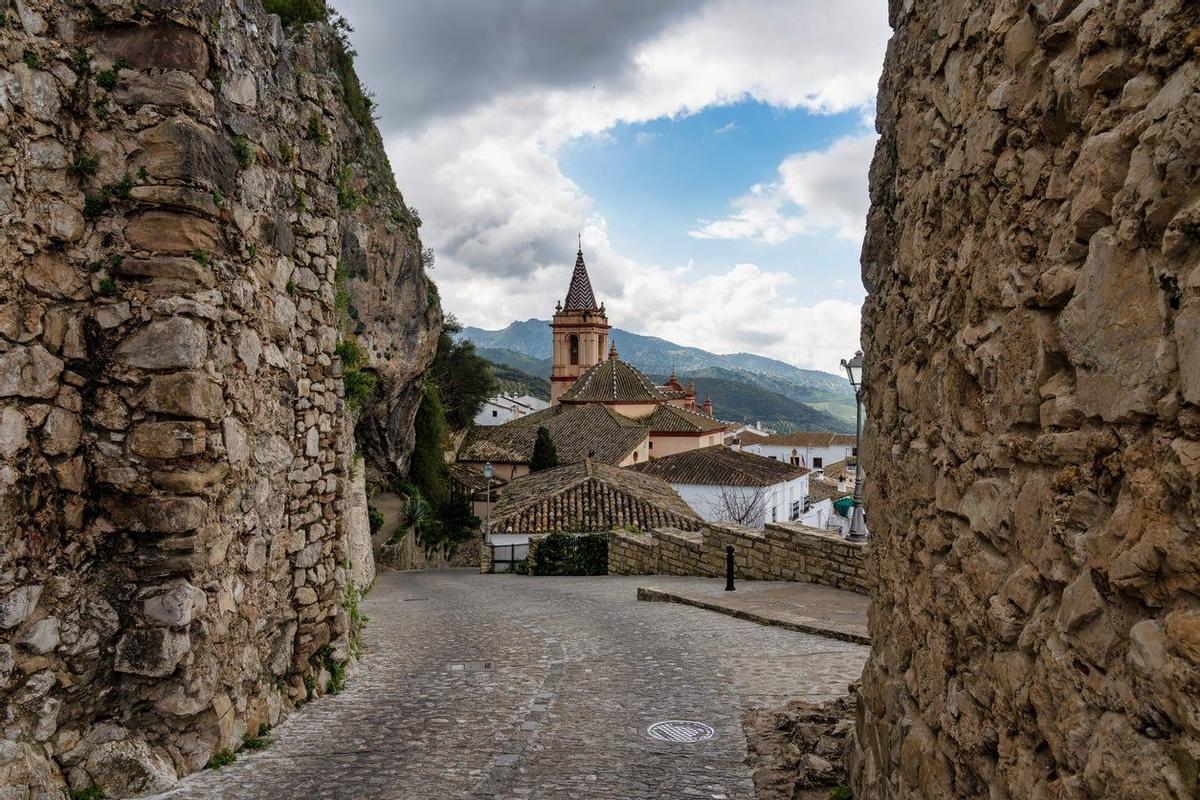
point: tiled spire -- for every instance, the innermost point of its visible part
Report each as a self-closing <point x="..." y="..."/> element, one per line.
<point x="579" y="296"/>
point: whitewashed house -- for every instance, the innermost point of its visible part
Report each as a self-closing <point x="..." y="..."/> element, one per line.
<point x="725" y="485"/>
<point x="505" y="408"/>
<point x="812" y="449"/>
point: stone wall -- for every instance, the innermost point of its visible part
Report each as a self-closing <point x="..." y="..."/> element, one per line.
<point x="178" y="183"/>
<point x="778" y="552"/>
<point x="1032" y="336"/>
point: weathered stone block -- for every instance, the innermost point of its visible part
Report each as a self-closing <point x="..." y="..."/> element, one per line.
<point x="168" y="439"/>
<point x="153" y="652"/>
<point x="29" y="372"/>
<point x="175" y="343"/>
<point x="170" y="232"/>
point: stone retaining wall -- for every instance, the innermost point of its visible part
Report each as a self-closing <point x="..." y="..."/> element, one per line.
<point x="189" y="218"/>
<point x="779" y="552"/>
<point x="1032" y="340"/>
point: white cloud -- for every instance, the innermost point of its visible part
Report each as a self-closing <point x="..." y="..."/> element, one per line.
<point x="820" y="190"/>
<point x="644" y="138"/>
<point x="728" y="127"/>
<point x="503" y="218"/>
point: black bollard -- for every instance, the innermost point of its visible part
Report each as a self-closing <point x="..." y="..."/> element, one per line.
<point x="729" y="568"/>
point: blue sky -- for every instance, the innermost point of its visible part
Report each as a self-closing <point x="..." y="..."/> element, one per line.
<point x="712" y="153"/>
<point x="653" y="181"/>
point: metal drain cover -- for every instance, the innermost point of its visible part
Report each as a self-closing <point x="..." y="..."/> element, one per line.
<point x="685" y="731"/>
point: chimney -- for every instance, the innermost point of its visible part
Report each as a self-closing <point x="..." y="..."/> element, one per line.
<point x="708" y="406"/>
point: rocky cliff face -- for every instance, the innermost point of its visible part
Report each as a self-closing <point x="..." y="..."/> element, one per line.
<point x="1033" y="341"/>
<point x="194" y="210"/>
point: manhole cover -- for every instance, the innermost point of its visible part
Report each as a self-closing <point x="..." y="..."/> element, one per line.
<point x="680" y="730"/>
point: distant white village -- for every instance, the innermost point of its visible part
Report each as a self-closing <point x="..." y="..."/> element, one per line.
<point x="626" y="450"/>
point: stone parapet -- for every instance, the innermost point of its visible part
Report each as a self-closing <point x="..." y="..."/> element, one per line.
<point x="780" y="552"/>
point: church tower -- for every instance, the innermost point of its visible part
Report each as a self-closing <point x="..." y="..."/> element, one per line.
<point x="579" y="332"/>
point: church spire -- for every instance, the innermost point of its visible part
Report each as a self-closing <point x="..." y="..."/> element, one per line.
<point x="580" y="296"/>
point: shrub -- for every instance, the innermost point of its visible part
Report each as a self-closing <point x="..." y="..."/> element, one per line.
<point x="106" y="79"/>
<point x="374" y="519"/>
<point x="94" y="205"/>
<point x="257" y="741"/>
<point x="108" y="287"/>
<point x="31" y="59"/>
<point x="82" y="60"/>
<point x="85" y="164"/>
<point x="90" y="793"/>
<point x="293" y="12"/>
<point x="359" y="387"/>
<point x="841" y="793"/>
<point x="221" y="758"/>
<point x="243" y="152"/>
<point x="358" y="620"/>
<point x="570" y="554"/>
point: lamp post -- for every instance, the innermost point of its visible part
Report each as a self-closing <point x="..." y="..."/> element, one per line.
<point x="854" y="371"/>
<point x="489" y="472"/>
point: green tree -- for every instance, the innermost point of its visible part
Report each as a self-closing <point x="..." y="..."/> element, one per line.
<point x="427" y="467"/>
<point x="463" y="377"/>
<point x="544" y="455"/>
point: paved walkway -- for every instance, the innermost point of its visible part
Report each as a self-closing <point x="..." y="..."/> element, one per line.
<point x="497" y="686"/>
<point x="805" y="607"/>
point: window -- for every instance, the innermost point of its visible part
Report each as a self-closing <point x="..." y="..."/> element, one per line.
<point x="574" y="342"/>
<point x="795" y="510"/>
<point x="635" y="456"/>
<point x="773" y="517"/>
<point x="495" y="413"/>
<point x="818" y="462"/>
<point x="650" y="445"/>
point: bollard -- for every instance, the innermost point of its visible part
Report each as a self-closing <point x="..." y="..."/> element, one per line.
<point x="729" y="568"/>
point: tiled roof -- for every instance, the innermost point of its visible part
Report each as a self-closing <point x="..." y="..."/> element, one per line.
<point x="580" y="296"/>
<point x="720" y="466"/>
<point x="578" y="431"/>
<point x="589" y="497"/>
<point x="612" y="379"/>
<point x="669" y="419"/>
<point x="819" y="489"/>
<point x="472" y="480"/>
<point x="746" y="437"/>
<point x="810" y="439"/>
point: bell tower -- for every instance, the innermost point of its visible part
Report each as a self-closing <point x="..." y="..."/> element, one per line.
<point x="579" y="332"/>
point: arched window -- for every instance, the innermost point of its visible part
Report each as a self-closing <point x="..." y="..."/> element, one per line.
<point x="574" y="342"/>
<point x="635" y="456"/>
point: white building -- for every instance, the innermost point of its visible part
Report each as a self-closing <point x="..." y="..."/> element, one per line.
<point x="725" y="485"/>
<point x="505" y="408"/>
<point x="812" y="449"/>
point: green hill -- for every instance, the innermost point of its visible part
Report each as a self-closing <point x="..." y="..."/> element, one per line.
<point x="736" y="396"/>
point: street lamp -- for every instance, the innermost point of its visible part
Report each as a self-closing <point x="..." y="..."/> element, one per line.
<point x="854" y="371"/>
<point x="489" y="472"/>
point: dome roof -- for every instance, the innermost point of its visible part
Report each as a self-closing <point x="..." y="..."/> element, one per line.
<point x="612" y="380"/>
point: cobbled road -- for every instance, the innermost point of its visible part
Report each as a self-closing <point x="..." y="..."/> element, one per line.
<point x="499" y="686"/>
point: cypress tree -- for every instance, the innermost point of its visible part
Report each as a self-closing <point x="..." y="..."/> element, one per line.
<point x="544" y="455"/>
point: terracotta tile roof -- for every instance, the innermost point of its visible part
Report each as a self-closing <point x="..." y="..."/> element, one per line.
<point x="612" y="379"/>
<point x="579" y="295"/>
<point x="589" y="497"/>
<point x="746" y="437"/>
<point x="579" y="431"/>
<point x="669" y="419"/>
<point x="720" y="466"/>
<point x="819" y="489"/>
<point x="471" y="480"/>
<point x="810" y="439"/>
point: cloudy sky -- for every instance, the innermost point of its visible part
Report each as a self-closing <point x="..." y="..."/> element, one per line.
<point x="712" y="153"/>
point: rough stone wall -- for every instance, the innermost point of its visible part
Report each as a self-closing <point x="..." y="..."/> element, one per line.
<point x="177" y="183"/>
<point x="779" y="552"/>
<point x="1032" y="336"/>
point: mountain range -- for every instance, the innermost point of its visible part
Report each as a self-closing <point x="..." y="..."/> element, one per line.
<point x="744" y="387"/>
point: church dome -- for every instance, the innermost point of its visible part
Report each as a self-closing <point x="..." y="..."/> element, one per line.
<point x="612" y="380"/>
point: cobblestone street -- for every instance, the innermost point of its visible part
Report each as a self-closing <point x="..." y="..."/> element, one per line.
<point x="495" y="686"/>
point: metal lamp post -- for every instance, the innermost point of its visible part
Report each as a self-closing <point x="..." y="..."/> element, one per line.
<point x="489" y="472"/>
<point x="854" y="371"/>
